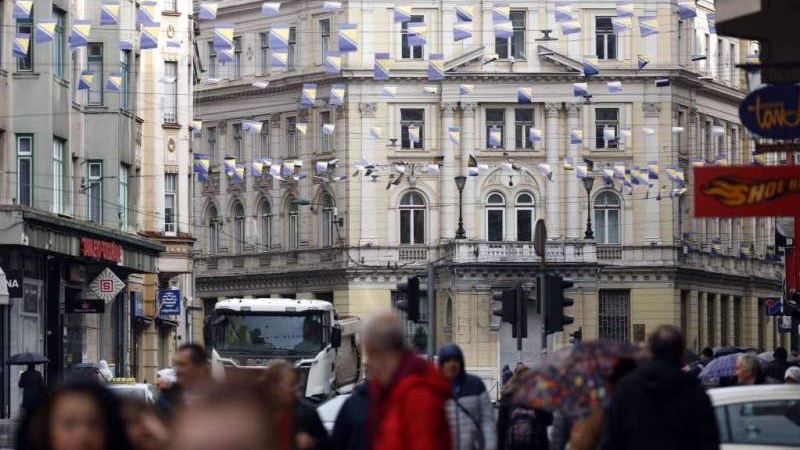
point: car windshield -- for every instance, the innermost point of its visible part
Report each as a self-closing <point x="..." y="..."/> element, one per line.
<point x="289" y="333"/>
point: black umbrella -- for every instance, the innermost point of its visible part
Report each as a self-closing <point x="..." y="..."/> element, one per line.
<point x="23" y="359"/>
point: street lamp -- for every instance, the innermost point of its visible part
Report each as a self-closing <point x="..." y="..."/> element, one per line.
<point x="588" y="183"/>
<point x="461" y="180"/>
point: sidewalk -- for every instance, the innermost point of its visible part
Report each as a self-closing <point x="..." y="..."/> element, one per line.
<point x="7" y="428"/>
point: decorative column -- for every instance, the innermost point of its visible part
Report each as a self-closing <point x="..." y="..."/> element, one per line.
<point x="308" y="215"/>
<point x="575" y="191"/>
<point x="369" y="210"/>
<point x="551" y="190"/>
<point x="471" y="200"/>
<point x="278" y="210"/>
<point x="652" y="222"/>
<point x="447" y="195"/>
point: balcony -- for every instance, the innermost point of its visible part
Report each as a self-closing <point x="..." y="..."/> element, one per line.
<point x="478" y="252"/>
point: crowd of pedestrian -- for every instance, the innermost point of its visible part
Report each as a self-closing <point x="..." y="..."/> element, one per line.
<point x="406" y="402"/>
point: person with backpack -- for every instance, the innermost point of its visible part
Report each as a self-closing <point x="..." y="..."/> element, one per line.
<point x="519" y="427"/>
<point x="469" y="411"/>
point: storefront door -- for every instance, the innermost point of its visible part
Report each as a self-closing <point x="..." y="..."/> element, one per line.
<point x="27" y="333"/>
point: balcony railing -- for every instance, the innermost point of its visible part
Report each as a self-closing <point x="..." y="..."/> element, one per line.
<point x="609" y="252"/>
<point x="413" y="253"/>
<point x="520" y="252"/>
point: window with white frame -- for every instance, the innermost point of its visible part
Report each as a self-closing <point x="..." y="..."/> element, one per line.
<point x="324" y="38"/>
<point x="606" y="118"/>
<point x="124" y="73"/>
<point x="412" y="219"/>
<point x="614" y="312"/>
<point x="237" y="57"/>
<point x="124" y="193"/>
<point x="236" y="135"/>
<point x="265" y="139"/>
<point x="59" y="42"/>
<point x="94" y="191"/>
<point x="328" y="226"/>
<point x="408" y="51"/>
<point x="291" y="137"/>
<point x="294" y="227"/>
<point x="325" y="140"/>
<point x="213" y="224"/>
<point x="265" y="54"/>
<point x="238" y="228"/>
<point x="526" y="215"/>
<point x="516" y="41"/>
<point x="58" y="175"/>
<point x="95" y="63"/>
<point x="523" y="123"/>
<point x="211" y="143"/>
<point x="25" y="169"/>
<point x="412" y="128"/>
<point x="170" y="92"/>
<point x="495" y="217"/>
<point x="291" y="63"/>
<point x="265" y="217"/>
<point x="212" y="61"/>
<point x="607" y="210"/>
<point x="495" y="127"/>
<point x="605" y="38"/>
<point x="170" y="203"/>
<point x="25" y="26"/>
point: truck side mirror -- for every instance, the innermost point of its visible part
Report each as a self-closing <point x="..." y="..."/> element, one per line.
<point x="336" y="336"/>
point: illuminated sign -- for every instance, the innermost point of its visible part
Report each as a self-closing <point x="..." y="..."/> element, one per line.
<point x="747" y="191"/>
<point x="102" y="250"/>
<point x="772" y="112"/>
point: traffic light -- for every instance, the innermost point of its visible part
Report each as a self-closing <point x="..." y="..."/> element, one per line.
<point x="555" y="302"/>
<point x="513" y="310"/>
<point x="410" y="305"/>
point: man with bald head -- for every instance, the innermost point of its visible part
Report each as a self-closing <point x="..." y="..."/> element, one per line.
<point x="407" y="395"/>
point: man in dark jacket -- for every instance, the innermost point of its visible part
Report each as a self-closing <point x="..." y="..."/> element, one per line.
<point x="659" y="407"/>
<point x="32" y="385"/>
<point x="776" y="369"/>
<point x="350" y="429"/>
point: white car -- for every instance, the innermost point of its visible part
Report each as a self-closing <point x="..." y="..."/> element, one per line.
<point x="126" y="388"/>
<point x="330" y="409"/>
<point x="758" y="417"/>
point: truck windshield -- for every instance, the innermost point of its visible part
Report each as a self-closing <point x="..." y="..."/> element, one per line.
<point x="260" y="333"/>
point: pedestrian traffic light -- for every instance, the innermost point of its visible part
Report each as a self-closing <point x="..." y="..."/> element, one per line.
<point x="555" y="302"/>
<point x="409" y="305"/>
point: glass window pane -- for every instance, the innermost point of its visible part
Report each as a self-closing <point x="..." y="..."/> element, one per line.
<point x="613" y="226"/>
<point x="611" y="40"/>
<point x="524" y="225"/>
<point x="25" y="181"/>
<point x="494" y="225"/>
<point x="523" y="115"/>
<point x="405" y="226"/>
<point x="600" y="226"/>
<point x="765" y="423"/>
<point x="419" y="226"/>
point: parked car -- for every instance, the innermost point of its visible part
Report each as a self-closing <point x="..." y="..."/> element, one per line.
<point x="328" y="410"/>
<point x="758" y="417"/>
<point x="128" y="388"/>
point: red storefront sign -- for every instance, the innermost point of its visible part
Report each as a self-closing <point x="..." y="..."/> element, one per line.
<point x="747" y="191"/>
<point x="103" y="250"/>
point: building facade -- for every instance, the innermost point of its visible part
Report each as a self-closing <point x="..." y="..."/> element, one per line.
<point x="75" y="161"/>
<point x="307" y="232"/>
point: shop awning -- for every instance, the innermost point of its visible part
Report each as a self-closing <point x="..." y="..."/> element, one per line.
<point x="166" y="322"/>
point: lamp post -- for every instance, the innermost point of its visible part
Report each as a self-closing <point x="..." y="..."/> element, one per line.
<point x="588" y="183"/>
<point x="461" y="180"/>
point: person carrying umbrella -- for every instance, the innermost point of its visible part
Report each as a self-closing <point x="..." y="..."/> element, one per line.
<point x="32" y="385"/>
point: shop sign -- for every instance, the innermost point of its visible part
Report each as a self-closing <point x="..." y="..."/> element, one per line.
<point x="14" y="283"/>
<point x="785" y="324"/>
<point x="774" y="307"/>
<point x="169" y="302"/>
<point x="772" y="112"/>
<point x="102" y="250"/>
<point x="138" y="304"/>
<point x="747" y="191"/>
<point x="107" y="285"/>
<point x="81" y="306"/>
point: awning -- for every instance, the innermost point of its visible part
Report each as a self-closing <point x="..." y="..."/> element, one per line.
<point x="143" y="321"/>
<point x="166" y="322"/>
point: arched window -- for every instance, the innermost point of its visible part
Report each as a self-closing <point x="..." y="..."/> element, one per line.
<point x="412" y="218"/>
<point x="213" y="231"/>
<point x="238" y="228"/>
<point x="526" y="214"/>
<point x="328" y="230"/>
<point x="265" y="217"/>
<point x="606" y="218"/>
<point x="495" y="217"/>
<point x="294" y="226"/>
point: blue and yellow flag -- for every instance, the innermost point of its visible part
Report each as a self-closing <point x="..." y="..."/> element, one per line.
<point x="22" y="9"/>
<point x="207" y="11"/>
<point x="641" y="61"/>
<point x="625" y="8"/>
<point x="229" y="163"/>
<point x="376" y="133"/>
<point x="109" y="12"/>
<point x="114" y="83"/>
<point x="252" y="126"/>
<point x="257" y="168"/>
<point x="45" y="30"/>
<point x="535" y="135"/>
<point x="349" y="38"/>
<point x="436" y="67"/>
<point x="22" y="43"/>
<point x="148" y="38"/>
<point x="465" y="13"/>
<point x="201" y="165"/>
<point x="331" y="6"/>
<point x="614" y="87"/>
<point x="238" y="174"/>
<point x="271" y="9"/>
<point x="302" y="128"/>
<point x="621" y="24"/>
<point x="328" y="128"/>
<point x="648" y="25"/>
<point x="402" y="14"/>
<point x="503" y="30"/>
<point x="148" y="12"/>
<point x="525" y="95"/>
<point x="197" y="127"/>
<point x="465" y="89"/>
<point x="546" y="171"/>
<point x="687" y="10"/>
<point x="125" y="44"/>
<point x="280" y="59"/>
<point x="580" y="89"/>
<point x="417" y="34"/>
<point x="308" y="97"/>
<point x="223" y="36"/>
<point x="454" y="134"/>
<point x="333" y="63"/>
<point x="571" y="27"/>
<point x="86" y="80"/>
<point x="225" y="55"/>
<point x="564" y="12"/>
<point x="576" y="137"/>
<point x="501" y="12"/>
<point x="462" y="30"/>
<point x="495" y="137"/>
<point x="337" y="95"/>
<point x="383" y="67"/>
<point x="389" y="91"/>
<point x="414" y="133"/>
<point x="79" y="36"/>
<point x="653" y="170"/>
<point x="279" y="37"/>
<point x="591" y="66"/>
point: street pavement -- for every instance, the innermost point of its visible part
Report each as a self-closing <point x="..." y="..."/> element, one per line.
<point x="7" y="434"/>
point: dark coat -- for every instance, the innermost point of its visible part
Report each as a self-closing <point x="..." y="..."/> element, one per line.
<point x="169" y="401"/>
<point x="543" y="419"/>
<point x="307" y="421"/>
<point x="350" y="429"/>
<point x="776" y="370"/>
<point x="32" y="385"/>
<point x="659" y="407"/>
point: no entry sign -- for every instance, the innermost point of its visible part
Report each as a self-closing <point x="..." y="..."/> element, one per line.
<point x="747" y="191"/>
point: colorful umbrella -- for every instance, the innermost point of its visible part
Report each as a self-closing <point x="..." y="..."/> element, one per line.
<point x="575" y="381"/>
<point x="724" y="366"/>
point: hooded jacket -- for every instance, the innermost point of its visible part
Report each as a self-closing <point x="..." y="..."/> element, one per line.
<point x="409" y="413"/>
<point x="659" y="407"/>
<point x="350" y="429"/>
<point x="469" y="412"/>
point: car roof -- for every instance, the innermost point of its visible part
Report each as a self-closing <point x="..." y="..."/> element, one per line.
<point x="128" y="386"/>
<point x="741" y="394"/>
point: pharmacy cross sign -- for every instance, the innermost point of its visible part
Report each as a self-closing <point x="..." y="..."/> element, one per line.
<point x="107" y="285"/>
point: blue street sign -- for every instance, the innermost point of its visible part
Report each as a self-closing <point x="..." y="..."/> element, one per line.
<point x="169" y="302"/>
<point x="774" y="307"/>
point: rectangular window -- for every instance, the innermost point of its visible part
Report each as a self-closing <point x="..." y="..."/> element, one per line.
<point x="170" y="92"/>
<point x="494" y="225"/>
<point x="237" y="57"/>
<point x="524" y="225"/>
<point x="734" y="60"/>
<point x="328" y="229"/>
<point x="170" y="202"/>
<point x="170" y="5"/>
<point x="606" y="118"/>
<point x="294" y="224"/>
<point x="412" y="226"/>
<point x="265" y="139"/>
<point x="523" y="122"/>
<point x="707" y="53"/>
<point x="124" y="73"/>
<point x="605" y="39"/>
<point x="211" y="147"/>
<point x="291" y="57"/>
<point x="265" y="55"/>
<point x="517" y="40"/>
<point x="58" y="42"/>
<point x="58" y="176"/>
<point x="124" y="195"/>
<point x="25" y="169"/>
<point x="212" y="61"/>
<point x="325" y="140"/>
<point x="95" y="63"/>
<point x="409" y="52"/>
<point x="291" y="137"/>
<point x="719" y="63"/>
<point x="76" y="71"/>
<point x="325" y="38"/>
<point x="495" y="128"/>
<point x="615" y="306"/>
<point x="236" y="134"/>
<point x="412" y="126"/>
<point x="94" y="191"/>
<point x="26" y="26"/>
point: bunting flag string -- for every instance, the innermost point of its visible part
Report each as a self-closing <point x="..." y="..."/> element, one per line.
<point x="625" y="8"/>
<point x="337" y="95"/>
<point x="114" y="83"/>
<point x="462" y="30"/>
<point x="22" y="42"/>
<point x="383" y="67"/>
<point x="79" y="35"/>
<point x="22" y="9"/>
<point x="436" y="67"/>
<point x="465" y="13"/>
<point x="308" y="97"/>
<point x="45" y="30"/>
<point x="270" y="9"/>
<point x="648" y="26"/>
<point x="148" y="12"/>
<point x="207" y="11"/>
<point x="348" y="38"/>
<point x="109" y="12"/>
<point x="333" y="63"/>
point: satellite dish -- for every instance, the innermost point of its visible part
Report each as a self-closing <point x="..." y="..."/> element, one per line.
<point x="785" y="226"/>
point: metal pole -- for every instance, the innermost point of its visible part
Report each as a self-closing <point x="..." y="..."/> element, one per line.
<point x="431" y="313"/>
